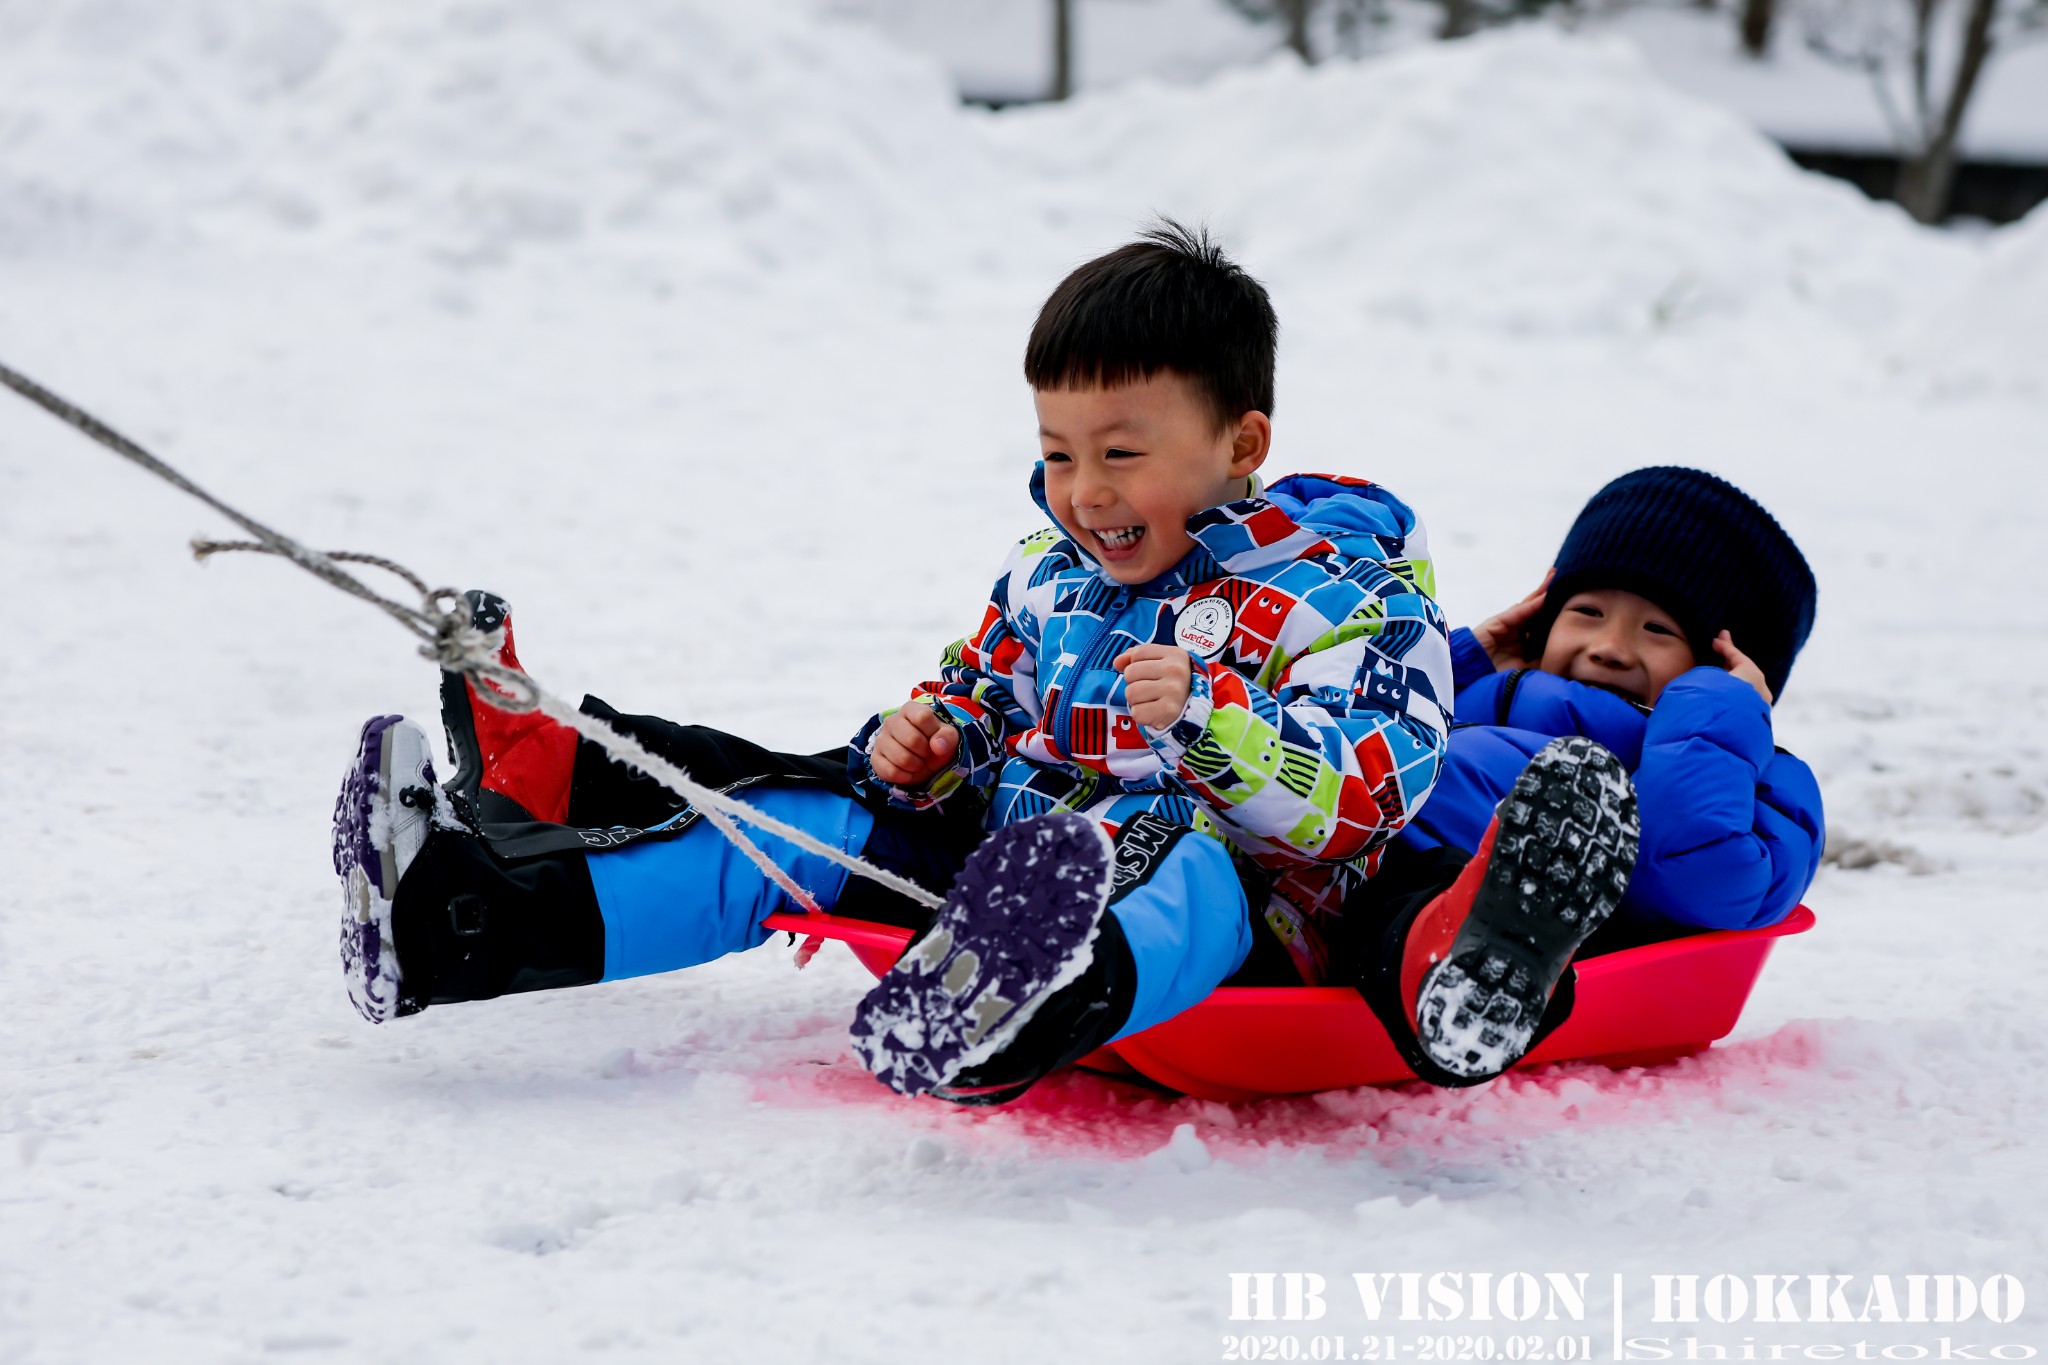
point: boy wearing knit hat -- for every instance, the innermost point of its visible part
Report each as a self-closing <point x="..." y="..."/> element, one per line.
<point x="1664" y="632"/>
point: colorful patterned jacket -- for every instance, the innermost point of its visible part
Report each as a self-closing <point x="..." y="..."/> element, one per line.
<point x="1317" y="718"/>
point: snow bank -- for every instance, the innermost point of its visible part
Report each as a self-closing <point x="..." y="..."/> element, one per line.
<point x="1522" y="181"/>
<point x="1993" y="335"/>
<point x="737" y="138"/>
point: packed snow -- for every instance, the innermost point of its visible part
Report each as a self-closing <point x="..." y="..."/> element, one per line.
<point x="694" y="330"/>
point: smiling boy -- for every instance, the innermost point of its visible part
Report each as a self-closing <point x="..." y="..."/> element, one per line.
<point x="1242" y="686"/>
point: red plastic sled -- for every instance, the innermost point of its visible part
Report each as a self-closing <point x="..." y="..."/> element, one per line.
<point x="1636" y="1007"/>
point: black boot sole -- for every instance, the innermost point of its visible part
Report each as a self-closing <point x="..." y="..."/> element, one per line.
<point x="1019" y="923"/>
<point x="1561" y="859"/>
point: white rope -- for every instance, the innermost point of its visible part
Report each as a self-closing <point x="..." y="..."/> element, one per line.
<point x="723" y="810"/>
<point x="442" y="622"/>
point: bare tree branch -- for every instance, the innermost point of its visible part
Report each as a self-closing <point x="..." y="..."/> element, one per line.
<point x="1978" y="43"/>
<point x="2029" y="21"/>
<point x="1855" y="34"/>
<point x="1062" y="48"/>
<point x="1923" y="37"/>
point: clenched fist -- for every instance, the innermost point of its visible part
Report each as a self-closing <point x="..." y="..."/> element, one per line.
<point x="1157" y="680"/>
<point x="913" y="746"/>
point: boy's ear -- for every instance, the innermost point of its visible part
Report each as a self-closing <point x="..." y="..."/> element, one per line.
<point x="1251" y="444"/>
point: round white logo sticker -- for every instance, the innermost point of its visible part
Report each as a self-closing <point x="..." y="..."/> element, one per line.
<point x="1203" y="627"/>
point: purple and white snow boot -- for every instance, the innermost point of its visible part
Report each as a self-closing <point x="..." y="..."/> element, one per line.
<point x="1019" y="923"/>
<point x="381" y="818"/>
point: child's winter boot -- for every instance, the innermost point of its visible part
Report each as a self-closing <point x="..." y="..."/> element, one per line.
<point x="1074" y="1020"/>
<point x="381" y="820"/>
<point x="430" y="915"/>
<point x="524" y="760"/>
<point x="1022" y="921"/>
<point x="1476" y="972"/>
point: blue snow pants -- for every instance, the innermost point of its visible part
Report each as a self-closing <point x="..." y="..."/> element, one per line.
<point x="678" y="902"/>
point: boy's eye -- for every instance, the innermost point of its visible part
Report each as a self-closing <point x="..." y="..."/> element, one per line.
<point x="1116" y="453"/>
<point x="1583" y="610"/>
<point x="1057" y="457"/>
<point x="1658" y="628"/>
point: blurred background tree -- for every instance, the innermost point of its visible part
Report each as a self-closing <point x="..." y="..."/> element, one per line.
<point x="1755" y="22"/>
<point x="1461" y="17"/>
<point x="1344" y="26"/>
<point x="1925" y="60"/>
<point x="1062" y="49"/>
<point x="1298" y="19"/>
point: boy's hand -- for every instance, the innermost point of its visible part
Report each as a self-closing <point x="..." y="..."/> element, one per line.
<point x="1742" y="666"/>
<point x="913" y="746"/>
<point x="1157" y="680"/>
<point x="1505" y="637"/>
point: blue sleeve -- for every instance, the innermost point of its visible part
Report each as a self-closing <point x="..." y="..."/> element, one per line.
<point x="1732" y="829"/>
<point x="1469" y="662"/>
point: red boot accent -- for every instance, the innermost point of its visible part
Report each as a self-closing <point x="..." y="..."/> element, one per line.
<point x="527" y="756"/>
<point x="1435" y="927"/>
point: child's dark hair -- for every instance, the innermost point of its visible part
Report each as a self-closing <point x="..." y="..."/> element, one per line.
<point x="1169" y="301"/>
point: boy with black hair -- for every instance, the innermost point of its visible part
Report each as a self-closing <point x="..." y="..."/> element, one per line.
<point x="1195" y="713"/>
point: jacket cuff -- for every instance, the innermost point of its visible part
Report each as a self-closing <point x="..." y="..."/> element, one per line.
<point x="1713" y="704"/>
<point x="861" y="772"/>
<point x="1175" y="740"/>
<point x="1469" y="660"/>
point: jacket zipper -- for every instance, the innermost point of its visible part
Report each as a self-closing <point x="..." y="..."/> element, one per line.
<point x="1063" y="722"/>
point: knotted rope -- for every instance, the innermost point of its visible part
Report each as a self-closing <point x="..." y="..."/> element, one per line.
<point x="442" y="624"/>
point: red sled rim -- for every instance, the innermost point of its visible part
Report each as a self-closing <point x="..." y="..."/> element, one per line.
<point x="1636" y="1007"/>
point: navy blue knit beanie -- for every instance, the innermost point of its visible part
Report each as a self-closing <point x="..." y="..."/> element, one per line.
<point x="1700" y="548"/>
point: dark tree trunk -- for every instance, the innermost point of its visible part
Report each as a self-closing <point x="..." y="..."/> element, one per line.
<point x="1458" y="18"/>
<point x="1296" y="13"/>
<point x="1062" y="48"/>
<point x="1926" y="178"/>
<point x="1757" y="18"/>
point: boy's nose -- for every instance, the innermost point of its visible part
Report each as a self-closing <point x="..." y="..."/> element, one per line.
<point x="1092" y="490"/>
<point x="1614" y="648"/>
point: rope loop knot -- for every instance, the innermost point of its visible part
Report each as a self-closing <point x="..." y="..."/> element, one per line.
<point x="458" y="646"/>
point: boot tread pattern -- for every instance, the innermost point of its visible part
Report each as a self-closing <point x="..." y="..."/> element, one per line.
<point x="1019" y="923"/>
<point x="1561" y="860"/>
<point x="382" y="816"/>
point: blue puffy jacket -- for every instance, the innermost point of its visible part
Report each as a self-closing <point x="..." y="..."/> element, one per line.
<point x="1732" y="825"/>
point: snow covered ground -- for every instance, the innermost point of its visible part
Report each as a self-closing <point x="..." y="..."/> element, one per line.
<point x="694" y="329"/>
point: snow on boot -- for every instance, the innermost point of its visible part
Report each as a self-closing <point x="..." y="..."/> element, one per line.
<point x="1020" y="922"/>
<point x="525" y="758"/>
<point x="381" y="818"/>
<point x="1481" y="961"/>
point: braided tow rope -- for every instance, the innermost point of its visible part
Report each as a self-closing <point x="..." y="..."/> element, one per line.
<point x="442" y="624"/>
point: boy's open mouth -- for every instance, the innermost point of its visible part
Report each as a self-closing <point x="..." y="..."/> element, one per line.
<point x="1118" y="542"/>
